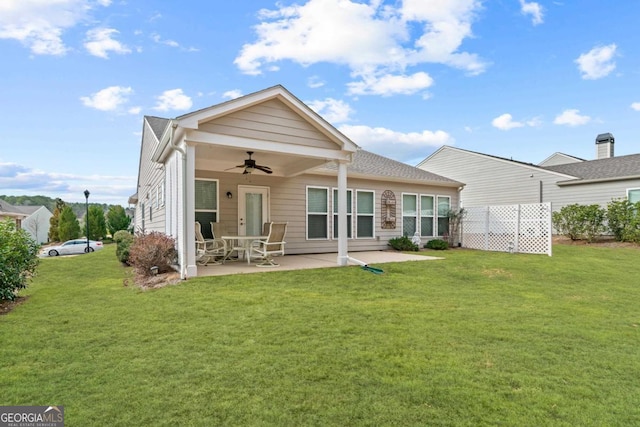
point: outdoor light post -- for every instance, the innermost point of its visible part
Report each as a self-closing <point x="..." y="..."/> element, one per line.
<point x="86" y="196"/>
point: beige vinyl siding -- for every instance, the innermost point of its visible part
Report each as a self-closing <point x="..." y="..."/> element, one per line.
<point x="288" y="204"/>
<point x="594" y="193"/>
<point x="151" y="176"/>
<point x="490" y="181"/>
<point x="269" y="121"/>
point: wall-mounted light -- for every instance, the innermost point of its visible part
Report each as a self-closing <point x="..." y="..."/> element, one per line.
<point x="229" y="195"/>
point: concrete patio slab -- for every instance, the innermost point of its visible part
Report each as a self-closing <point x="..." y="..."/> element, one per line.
<point x="307" y="261"/>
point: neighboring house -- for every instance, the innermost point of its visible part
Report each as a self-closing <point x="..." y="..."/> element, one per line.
<point x="560" y="179"/>
<point x="37" y="222"/>
<point x="33" y="219"/>
<point x="197" y="167"/>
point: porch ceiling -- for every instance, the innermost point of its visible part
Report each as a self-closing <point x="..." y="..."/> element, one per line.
<point x="223" y="158"/>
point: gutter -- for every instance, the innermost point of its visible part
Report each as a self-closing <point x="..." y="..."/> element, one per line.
<point x="596" y="180"/>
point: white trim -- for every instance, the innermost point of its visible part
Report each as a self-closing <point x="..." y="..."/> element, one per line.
<point x="416" y="216"/>
<point x="433" y="215"/>
<point x="357" y="214"/>
<point x="334" y="213"/>
<point x="632" y="189"/>
<point x="438" y="214"/>
<point x="328" y="214"/>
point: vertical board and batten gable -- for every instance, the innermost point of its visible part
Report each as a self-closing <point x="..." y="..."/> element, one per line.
<point x="491" y="180"/>
<point x="271" y="120"/>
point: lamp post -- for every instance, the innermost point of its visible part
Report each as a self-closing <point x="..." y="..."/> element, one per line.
<point x="86" y="196"/>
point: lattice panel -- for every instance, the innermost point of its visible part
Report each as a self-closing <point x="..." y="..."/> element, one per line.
<point x="510" y="228"/>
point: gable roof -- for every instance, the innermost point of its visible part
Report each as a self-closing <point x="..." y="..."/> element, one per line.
<point x="8" y="209"/>
<point x="157" y="125"/>
<point x="609" y="169"/>
<point x="560" y="158"/>
<point x="370" y="165"/>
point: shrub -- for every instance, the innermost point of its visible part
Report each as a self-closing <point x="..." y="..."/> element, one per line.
<point x="18" y="259"/>
<point x="580" y="221"/>
<point x="623" y="218"/>
<point x="123" y="241"/>
<point x="152" y="250"/>
<point x="437" y="244"/>
<point x="403" y="243"/>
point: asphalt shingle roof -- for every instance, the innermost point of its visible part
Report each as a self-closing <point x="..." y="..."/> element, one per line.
<point x="158" y="125"/>
<point x="611" y="168"/>
<point x="374" y="165"/>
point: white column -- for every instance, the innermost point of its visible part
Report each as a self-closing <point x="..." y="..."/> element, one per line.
<point x="343" y="255"/>
<point x="189" y="211"/>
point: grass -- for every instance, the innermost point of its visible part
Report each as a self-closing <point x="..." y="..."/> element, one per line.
<point x="476" y="339"/>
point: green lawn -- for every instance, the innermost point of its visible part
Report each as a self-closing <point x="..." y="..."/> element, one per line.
<point x="476" y="339"/>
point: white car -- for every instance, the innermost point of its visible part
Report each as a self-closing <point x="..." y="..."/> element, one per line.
<point x="76" y="246"/>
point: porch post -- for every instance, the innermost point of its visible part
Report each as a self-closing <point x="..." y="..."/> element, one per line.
<point x="189" y="211"/>
<point x="343" y="255"/>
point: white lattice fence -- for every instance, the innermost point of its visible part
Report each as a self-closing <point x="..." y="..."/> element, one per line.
<point x="509" y="228"/>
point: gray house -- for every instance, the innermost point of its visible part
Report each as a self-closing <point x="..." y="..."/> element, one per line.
<point x="269" y="157"/>
<point x="560" y="179"/>
<point x="33" y="219"/>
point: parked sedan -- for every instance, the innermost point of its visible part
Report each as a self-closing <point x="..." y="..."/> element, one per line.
<point x="76" y="246"/>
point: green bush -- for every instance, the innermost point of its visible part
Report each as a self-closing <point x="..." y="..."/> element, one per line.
<point x="623" y="219"/>
<point x="18" y="259"/>
<point x="123" y="241"/>
<point x="437" y="244"/>
<point x="580" y="221"/>
<point x="403" y="243"/>
<point x="152" y="250"/>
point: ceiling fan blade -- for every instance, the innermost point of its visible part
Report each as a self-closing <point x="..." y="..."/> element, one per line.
<point x="265" y="169"/>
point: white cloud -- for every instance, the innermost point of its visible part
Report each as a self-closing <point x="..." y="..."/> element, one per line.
<point x="534" y="9"/>
<point x="332" y="110"/>
<point x="373" y="39"/>
<point x="232" y="94"/>
<point x="390" y="84"/>
<point x="108" y="99"/>
<point x="39" y="24"/>
<point x="404" y="147"/>
<point x="134" y="110"/>
<point x="571" y="118"/>
<point x="506" y="122"/>
<point x="173" y="99"/>
<point x="636" y="106"/>
<point x="100" y="42"/>
<point x="315" y="82"/>
<point x="156" y="38"/>
<point x="598" y="62"/>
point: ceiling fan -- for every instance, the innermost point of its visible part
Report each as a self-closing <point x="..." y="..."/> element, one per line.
<point x="250" y="164"/>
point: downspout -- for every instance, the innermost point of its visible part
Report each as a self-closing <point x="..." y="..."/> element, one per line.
<point x="181" y="254"/>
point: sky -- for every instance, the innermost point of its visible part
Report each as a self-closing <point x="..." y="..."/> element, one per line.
<point x="512" y="78"/>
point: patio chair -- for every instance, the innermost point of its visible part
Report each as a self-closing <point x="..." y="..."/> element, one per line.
<point x="208" y="251"/>
<point x="272" y="246"/>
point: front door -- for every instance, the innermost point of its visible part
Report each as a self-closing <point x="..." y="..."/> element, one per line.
<point x="253" y="209"/>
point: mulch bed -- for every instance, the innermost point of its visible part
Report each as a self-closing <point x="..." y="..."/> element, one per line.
<point x="7" y="306"/>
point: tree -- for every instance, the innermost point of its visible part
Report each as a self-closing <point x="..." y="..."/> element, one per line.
<point x="54" y="221"/>
<point x="97" y="223"/>
<point x="18" y="259"/>
<point x="117" y="219"/>
<point x="68" y="226"/>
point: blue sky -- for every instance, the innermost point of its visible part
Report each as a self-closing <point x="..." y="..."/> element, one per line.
<point x="512" y="78"/>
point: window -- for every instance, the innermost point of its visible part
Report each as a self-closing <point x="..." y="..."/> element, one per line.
<point x="206" y="204"/>
<point x="317" y="213"/>
<point x="409" y="214"/>
<point x="633" y="194"/>
<point x="444" y="204"/>
<point x="349" y="213"/>
<point x="364" y="213"/>
<point x="426" y="215"/>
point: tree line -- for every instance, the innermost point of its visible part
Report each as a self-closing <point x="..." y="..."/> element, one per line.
<point x="64" y="224"/>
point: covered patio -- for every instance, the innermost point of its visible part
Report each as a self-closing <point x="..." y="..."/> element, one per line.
<point x="309" y="261"/>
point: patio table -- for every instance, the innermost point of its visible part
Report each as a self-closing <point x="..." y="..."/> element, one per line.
<point x="240" y="244"/>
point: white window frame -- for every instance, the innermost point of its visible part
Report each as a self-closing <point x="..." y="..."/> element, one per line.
<point x="432" y="216"/>
<point x="629" y="190"/>
<point x="358" y="215"/>
<point x="327" y="214"/>
<point x="415" y="215"/>
<point x="437" y="212"/>
<point x="215" y="211"/>
<point x="350" y="216"/>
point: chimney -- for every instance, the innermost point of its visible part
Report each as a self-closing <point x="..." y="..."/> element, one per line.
<point x="604" y="146"/>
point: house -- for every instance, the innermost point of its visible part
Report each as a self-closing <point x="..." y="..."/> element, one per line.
<point x="560" y="179"/>
<point x="37" y="222"/>
<point x="268" y="157"/>
<point x="33" y="219"/>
